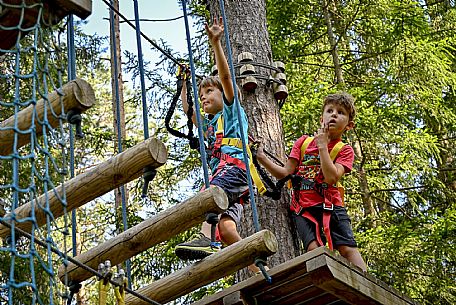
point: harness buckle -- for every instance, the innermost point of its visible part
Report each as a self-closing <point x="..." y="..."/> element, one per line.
<point x="300" y="212"/>
<point x="328" y="207"/>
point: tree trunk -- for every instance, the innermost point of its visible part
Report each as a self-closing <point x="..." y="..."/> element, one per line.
<point x="118" y="111"/>
<point x="332" y="42"/>
<point x="363" y="185"/>
<point x="119" y="118"/>
<point x="248" y="33"/>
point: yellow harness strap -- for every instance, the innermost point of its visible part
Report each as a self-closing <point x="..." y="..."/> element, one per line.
<point x="102" y="291"/>
<point x="120" y="293"/>
<point x="236" y="142"/>
<point x="332" y="154"/>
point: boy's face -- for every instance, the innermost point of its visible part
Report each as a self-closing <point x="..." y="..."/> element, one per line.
<point x="335" y="118"/>
<point x="211" y="99"/>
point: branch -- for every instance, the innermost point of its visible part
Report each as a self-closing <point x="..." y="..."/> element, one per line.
<point x="398" y="189"/>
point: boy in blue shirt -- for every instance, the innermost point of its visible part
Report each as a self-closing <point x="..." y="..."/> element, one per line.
<point x="228" y="171"/>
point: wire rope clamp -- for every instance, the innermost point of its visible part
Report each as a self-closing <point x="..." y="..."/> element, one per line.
<point x="105" y="270"/>
<point x="120" y="279"/>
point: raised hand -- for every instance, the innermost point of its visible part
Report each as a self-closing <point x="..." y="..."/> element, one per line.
<point x="215" y="31"/>
<point x="322" y="136"/>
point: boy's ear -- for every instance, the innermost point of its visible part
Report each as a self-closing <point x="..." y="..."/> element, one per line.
<point x="350" y="125"/>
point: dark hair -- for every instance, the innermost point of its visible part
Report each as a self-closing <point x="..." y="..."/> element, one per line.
<point x="343" y="99"/>
<point x="215" y="82"/>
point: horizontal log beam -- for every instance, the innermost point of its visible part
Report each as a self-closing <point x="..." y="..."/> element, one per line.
<point x="91" y="184"/>
<point x="150" y="232"/>
<point x="19" y="17"/>
<point x="81" y="8"/>
<point x="227" y="261"/>
<point x="77" y="94"/>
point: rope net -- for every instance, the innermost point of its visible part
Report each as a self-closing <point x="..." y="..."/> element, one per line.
<point x="32" y="152"/>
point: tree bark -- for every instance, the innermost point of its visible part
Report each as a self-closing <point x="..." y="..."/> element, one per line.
<point x="118" y="108"/>
<point x="332" y="42"/>
<point x="363" y="185"/>
<point x="248" y="33"/>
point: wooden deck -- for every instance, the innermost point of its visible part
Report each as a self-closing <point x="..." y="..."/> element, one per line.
<point x="318" y="277"/>
<point x="18" y="17"/>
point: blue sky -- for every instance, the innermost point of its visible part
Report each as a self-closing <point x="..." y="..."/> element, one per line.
<point x="173" y="32"/>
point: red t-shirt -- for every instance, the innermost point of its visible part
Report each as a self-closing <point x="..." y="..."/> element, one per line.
<point x="310" y="169"/>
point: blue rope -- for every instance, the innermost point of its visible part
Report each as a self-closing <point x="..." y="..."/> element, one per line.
<point x="119" y="135"/>
<point x="71" y="76"/>
<point x="141" y="71"/>
<point x="196" y="103"/>
<point x="238" y="106"/>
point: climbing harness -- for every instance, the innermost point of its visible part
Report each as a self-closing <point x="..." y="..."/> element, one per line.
<point x="103" y="284"/>
<point x="264" y="184"/>
<point x="118" y="279"/>
<point x="119" y="290"/>
<point x="299" y="183"/>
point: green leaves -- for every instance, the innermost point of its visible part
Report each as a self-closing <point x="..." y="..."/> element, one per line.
<point x="398" y="61"/>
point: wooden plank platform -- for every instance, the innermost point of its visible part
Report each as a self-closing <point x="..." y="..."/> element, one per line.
<point x="317" y="277"/>
<point x="18" y="17"/>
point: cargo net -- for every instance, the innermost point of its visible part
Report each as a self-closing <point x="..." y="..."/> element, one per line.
<point x="32" y="154"/>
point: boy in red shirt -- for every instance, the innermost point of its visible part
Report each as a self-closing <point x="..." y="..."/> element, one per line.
<point x="316" y="201"/>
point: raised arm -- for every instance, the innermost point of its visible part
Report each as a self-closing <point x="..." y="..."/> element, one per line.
<point x="215" y="33"/>
<point x="331" y="171"/>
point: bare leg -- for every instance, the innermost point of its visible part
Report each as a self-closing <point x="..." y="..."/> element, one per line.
<point x="206" y="229"/>
<point x="353" y="255"/>
<point x="312" y="246"/>
<point x="229" y="235"/>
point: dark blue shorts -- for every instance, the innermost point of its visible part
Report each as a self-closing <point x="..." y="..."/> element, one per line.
<point x="233" y="181"/>
<point x="340" y="227"/>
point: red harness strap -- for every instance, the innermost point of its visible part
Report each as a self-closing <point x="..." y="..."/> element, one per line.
<point x="328" y="207"/>
<point x="224" y="158"/>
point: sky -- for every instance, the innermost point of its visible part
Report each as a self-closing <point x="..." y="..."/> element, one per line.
<point x="173" y="32"/>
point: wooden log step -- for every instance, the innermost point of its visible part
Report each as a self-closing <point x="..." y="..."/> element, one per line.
<point x="18" y="17"/>
<point x="150" y="232"/>
<point x="223" y="263"/>
<point x="77" y="94"/>
<point x="91" y="184"/>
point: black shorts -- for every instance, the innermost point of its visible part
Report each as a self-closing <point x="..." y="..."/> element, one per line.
<point x="340" y="227"/>
<point x="233" y="181"/>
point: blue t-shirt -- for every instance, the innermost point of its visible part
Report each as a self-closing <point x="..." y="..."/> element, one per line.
<point x="231" y="130"/>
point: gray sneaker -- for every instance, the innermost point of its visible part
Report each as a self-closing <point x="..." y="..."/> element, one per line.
<point x="197" y="248"/>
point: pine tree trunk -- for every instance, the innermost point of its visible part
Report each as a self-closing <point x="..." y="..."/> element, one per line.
<point x="248" y="33"/>
<point x="118" y="111"/>
<point x="117" y="66"/>
<point x="332" y="42"/>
